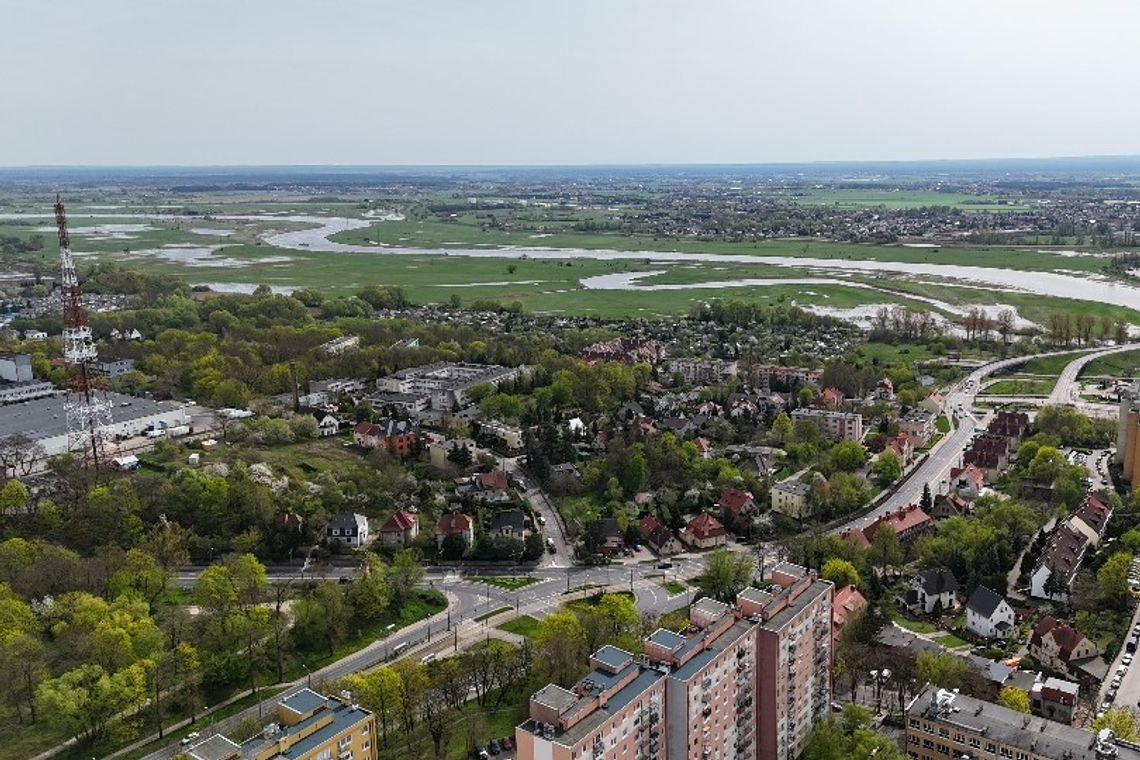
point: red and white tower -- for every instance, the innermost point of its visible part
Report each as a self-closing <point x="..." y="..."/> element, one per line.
<point x="88" y="409"/>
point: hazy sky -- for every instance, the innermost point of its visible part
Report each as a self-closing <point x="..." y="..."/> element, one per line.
<point x="588" y="81"/>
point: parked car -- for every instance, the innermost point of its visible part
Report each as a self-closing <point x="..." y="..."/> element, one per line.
<point x="481" y="753"/>
<point x="495" y="747"/>
<point x="1126" y="659"/>
<point x="192" y="736"/>
<point x="508" y="744"/>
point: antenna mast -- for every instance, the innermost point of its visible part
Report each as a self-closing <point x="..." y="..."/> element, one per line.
<point x="88" y="410"/>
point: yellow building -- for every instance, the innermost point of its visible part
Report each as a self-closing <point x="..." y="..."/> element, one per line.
<point x="309" y="726"/>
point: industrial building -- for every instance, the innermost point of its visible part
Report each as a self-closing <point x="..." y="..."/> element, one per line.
<point x="443" y="385"/>
<point x="1128" y="434"/>
<point x="44" y="420"/>
<point x="17" y="382"/>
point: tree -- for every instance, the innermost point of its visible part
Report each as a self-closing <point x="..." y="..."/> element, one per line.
<point x="927" y="502"/>
<point x="1112" y="580"/>
<point x="405" y="573"/>
<point x="726" y="574"/>
<point x="888" y="468"/>
<point x="560" y="645"/>
<point x="942" y="669"/>
<point x="1121" y="721"/>
<point x="1014" y="699"/>
<point x="369" y="595"/>
<point x="614" y="619"/>
<point x="840" y="572"/>
<point x="635" y="474"/>
<point x="886" y="549"/>
<point x="782" y="428"/>
<point x="850" y="737"/>
<point x="848" y="456"/>
<point x="86" y="698"/>
<point x="413" y="685"/>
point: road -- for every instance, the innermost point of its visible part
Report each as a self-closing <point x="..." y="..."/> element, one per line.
<point x="1128" y="695"/>
<point x="959" y="403"/>
<point x="554" y="529"/>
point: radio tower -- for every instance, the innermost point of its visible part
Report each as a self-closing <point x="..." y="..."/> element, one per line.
<point x="87" y="407"/>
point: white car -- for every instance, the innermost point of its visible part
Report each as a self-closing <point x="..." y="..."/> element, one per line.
<point x="192" y="736"/>
<point x="1126" y="659"/>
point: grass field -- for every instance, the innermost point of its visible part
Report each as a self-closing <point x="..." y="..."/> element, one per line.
<point x="510" y="583"/>
<point x="522" y="626"/>
<point x="1049" y="366"/>
<point x="1019" y="387"/>
<point x="1124" y="364"/>
<point x="950" y="641"/>
<point x="674" y="587"/>
<point x="914" y="626"/>
<point x="491" y="614"/>
<point x="943" y="424"/>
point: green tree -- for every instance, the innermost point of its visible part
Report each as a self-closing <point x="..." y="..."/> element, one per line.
<point x="613" y="620"/>
<point x="850" y="737"/>
<point x="1014" y="699"/>
<point x="370" y="594"/>
<point x="782" y="428"/>
<point x="941" y="669"/>
<point x="635" y="474"/>
<point x="1112" y="580"/>
<point x="848" y="456"/>
<point x="1120" y="721"/>
<point x="886" y="550"/>
<point x="84" y="699"/>
<point x="887" y="468"/>
<point x="405" y="573"/>
<point x="560" y="648"/>
<point x="726" y="574"/>
<point x="840" y="572"/>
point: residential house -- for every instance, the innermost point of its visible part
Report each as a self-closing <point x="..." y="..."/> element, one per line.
<point x="989" y="615"/>
<point x="1091" y="518"/>
<point x="932" y="591"/>
<point x="989" y="453"/>
<point x="704" y="532"/>
<point x="659" y="537"/>
<point x="400" y="529"/>
<point x="625" y="350"/>
<point x="1058" y="564"/>
<point x="908" y="523"/>
<point x="487" y="487"/>
<point x="1063" y="649"/>
<point x="967" y="482"/>
<point x="1009" y="425"/>
<point x="933" y="403"/>
<point x="511" y="522"/>
<point x="609" y="535"/>
<point x="885" y="390"/>
<point x="831" y="398"/>
<point x="918" y="424"/>
<point x="947" y="505"/>
<point x="349" y="529"/>
<point x="846" y="604"/>
<point x="442" y="453"/>
<point x="903" y="446"/>
<point x="455" y="524"/>
<point x="398" y="436"/>
<point x="327" y="424"/>
<point x="114" y="367"/>
<point x="1055" y="699"/>
<point x="790" y="498"/>
<point x="738" y="509"/>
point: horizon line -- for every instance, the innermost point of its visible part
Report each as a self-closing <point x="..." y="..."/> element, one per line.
<point x="647" y="164"/>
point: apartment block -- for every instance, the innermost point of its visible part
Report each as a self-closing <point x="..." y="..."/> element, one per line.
<point x="943" y="725"/>
<point x="614" y="713"/>
<point x="309" y="726"/>
<point x="744" y="682"/>
<point x="837" y="425"/>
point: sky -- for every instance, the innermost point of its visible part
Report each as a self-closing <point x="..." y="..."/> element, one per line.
<point x="217" y="82"/>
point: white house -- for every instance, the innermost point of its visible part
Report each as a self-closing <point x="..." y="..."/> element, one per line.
<point x="349" y="528"/>
<point x="989" y="615"/>
<point x="327" y="425"/>
<point x="790" y="497"/>
<point x="930" y="589"/>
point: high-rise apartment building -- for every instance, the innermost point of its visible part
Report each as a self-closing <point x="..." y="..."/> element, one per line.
<point x="744" y="682"/>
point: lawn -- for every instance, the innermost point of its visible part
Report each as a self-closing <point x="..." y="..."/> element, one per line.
<point x="1020" y="387"/>
<point x="950" y="641"/>
<point x="491" y="614"/>
<point x="510" y="583"/>
<point x="674" y="587"/>
<point x="522" y="626"/>
<point x="1050" y="366"/>
<point x="887" y="354"/>
<point x="1124" y="364"/>
<point x="914" y="626"/>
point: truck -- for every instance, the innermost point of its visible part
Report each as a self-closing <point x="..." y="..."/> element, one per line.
<point x="178" y="431"/>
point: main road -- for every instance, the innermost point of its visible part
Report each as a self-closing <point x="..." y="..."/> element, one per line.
<point x="959" y="402"/>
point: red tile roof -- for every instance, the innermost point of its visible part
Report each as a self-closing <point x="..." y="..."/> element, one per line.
<point x="905" y="520"/>
<point x="654" y="533"/>
<point x="496" y="480"/>
<point x="1066" y="637"/>
<point x="845" y="603"/>
<point x="734" y="500"/>
<point x="453" y="523"/>
<point x="705" y="526"/>
<point x="969" y="471"/>
<point x="401" y="521"/>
